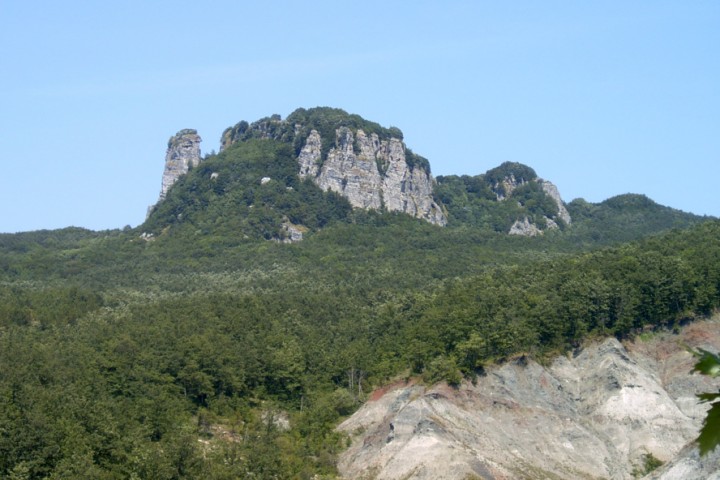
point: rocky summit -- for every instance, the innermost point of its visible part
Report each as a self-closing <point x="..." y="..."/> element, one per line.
<point x="365" y="163"/>
<point x="371" y="167"/>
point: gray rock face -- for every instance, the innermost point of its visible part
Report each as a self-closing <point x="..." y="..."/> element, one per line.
<point x="309" y="158"/>
<point x="504" y="188"/>
<point x="356" y="177"/>
<point x="183" y="152"/>
<point x="690" y="465"/>
<point x="593" y="415"/>
<point x="525" y="228"/>
<point x="371" y="174"/>
<point x="292" y="233"/>
<point x="552" y="191"/>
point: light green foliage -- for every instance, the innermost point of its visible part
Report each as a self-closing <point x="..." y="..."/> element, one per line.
<point x="442" y="369"/>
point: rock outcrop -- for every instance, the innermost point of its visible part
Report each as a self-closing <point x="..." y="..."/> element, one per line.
<point x="596" y="414"/>
<point x="183" y="153"/>
<point x="525" y="228"/>
<point x="371" y="173"/>
<point x="515" y="182"/>
<point x="310" y="155"/>
<point x="552" y="191"/>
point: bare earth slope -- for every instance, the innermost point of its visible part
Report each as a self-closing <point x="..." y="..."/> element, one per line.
<point x="595" y="414"/>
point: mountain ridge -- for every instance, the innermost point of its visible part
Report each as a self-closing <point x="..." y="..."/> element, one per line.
<point x="371" y="168"/>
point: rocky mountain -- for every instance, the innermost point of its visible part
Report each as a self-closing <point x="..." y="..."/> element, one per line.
<point x="610" y="410"/>
<point x="365" y="163"/>
<point x="372" y="169"/>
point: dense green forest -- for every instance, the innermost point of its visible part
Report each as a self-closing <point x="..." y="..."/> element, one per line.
<point x="199" y="346"/>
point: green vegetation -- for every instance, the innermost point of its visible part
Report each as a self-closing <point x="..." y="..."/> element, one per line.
<point x="117" y="355"/>
<point x="295" y="129"/>
<point x="624" y="218"/>
<point x="649" y="463"/>
<point x="483" y="202"/>
<point x="196" y="346"/>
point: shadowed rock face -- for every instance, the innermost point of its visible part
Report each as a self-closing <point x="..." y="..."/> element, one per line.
<point x="593" y="415"/>
<point x="183" y="153"/>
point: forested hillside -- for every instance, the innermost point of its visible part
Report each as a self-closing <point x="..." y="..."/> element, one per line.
<point x="199" y="346"/>
<point x="118" y="354"/>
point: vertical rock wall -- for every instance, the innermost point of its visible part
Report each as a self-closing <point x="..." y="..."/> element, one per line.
<point x="371" y="173"/>
<point x="183" y="152"/>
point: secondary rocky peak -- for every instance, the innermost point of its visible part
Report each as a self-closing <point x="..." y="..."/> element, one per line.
<point x="183" y="153"/>
<point x="505" y="178"/>
<point x="508" y="178"/>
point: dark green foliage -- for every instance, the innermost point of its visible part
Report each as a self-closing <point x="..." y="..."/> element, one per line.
<point x="624" y="218"/>
<point x="327" y="120"/>
<point x="125" y="364"/>
<point x="519" y="172"/>
<point x="649" y="463"/>
<point x="295" y="129"/>
<point x="416" y="161"/>
<point x="46" y="307"/>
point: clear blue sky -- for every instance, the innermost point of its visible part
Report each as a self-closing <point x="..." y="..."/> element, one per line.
<point x="601" y="98"/>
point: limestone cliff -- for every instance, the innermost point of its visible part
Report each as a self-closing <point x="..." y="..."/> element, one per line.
<point x="371" y="173"/>
<point x="596" y="414"/>
<point x="183" y="153"/>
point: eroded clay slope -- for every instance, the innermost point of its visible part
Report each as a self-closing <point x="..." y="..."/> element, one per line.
<point x="595" y="414"/>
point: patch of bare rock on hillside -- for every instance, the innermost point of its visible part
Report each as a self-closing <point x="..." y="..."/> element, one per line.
<point x="597" y="413"/>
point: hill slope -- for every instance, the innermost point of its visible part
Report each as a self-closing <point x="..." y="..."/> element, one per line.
<point x="193" y="347"/>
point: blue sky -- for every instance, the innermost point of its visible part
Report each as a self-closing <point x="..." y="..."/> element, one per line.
<point x="601" y="98"/>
